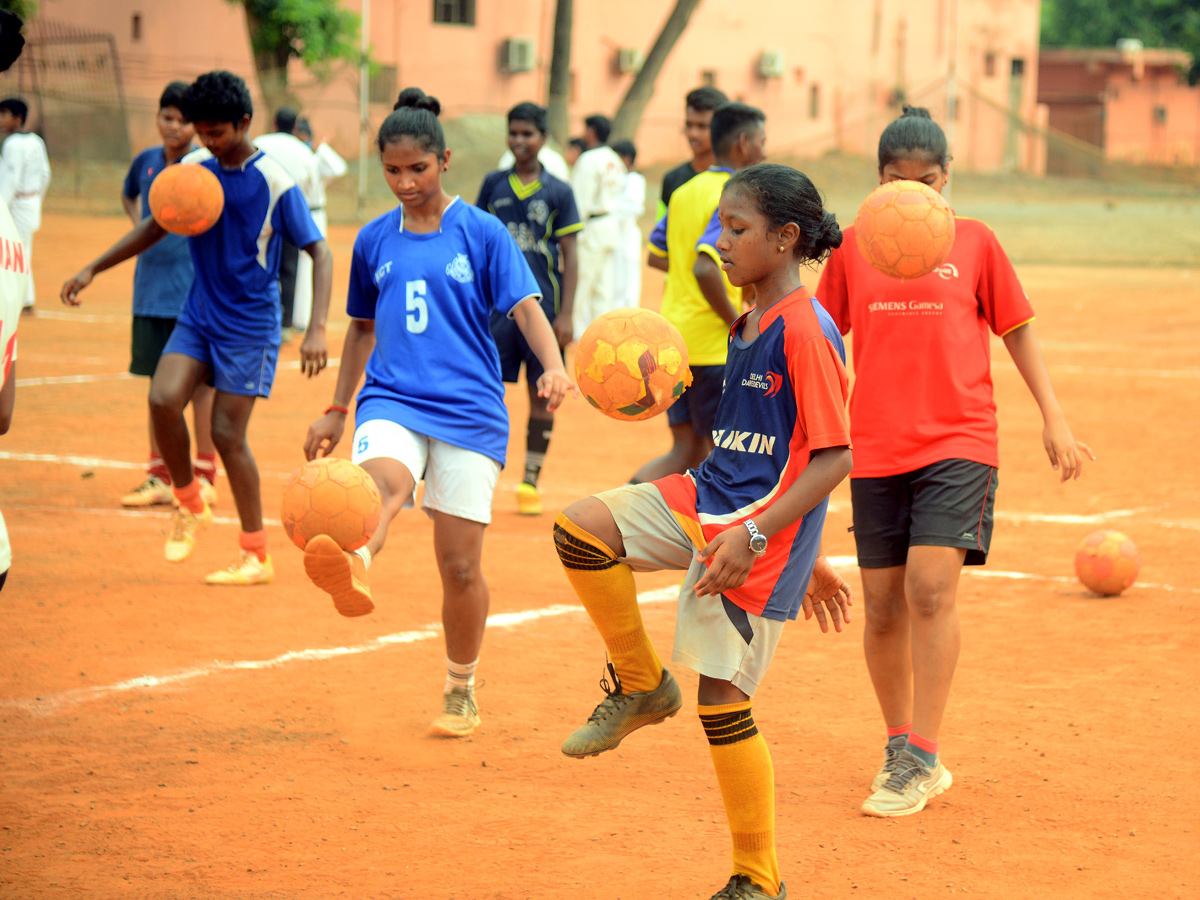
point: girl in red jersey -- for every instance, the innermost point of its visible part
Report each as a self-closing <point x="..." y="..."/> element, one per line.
<point x="923" y="423"/>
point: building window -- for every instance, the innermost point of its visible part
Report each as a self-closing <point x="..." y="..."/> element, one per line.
<point x="814" y="102"/>
<point x="454" y="12"/>
<point x="1017" y="67"/>
<point x="989" y="65"/>
<point x="1160" y="115"/>
<point x="135" y="26"/>
<point x="382" y="85"/>
<point x="708" y="78"/>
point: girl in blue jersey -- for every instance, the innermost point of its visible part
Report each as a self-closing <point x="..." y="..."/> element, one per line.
<point x="423" y="281"/>
<point x="745" y="524"/>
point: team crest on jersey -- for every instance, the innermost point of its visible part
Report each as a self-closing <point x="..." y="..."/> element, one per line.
<point x="770" y="382"/>
<point x="382" y="270"/>
<point x="947" y="271"/>
<point x="460" y="269"/>
<point x="538" y="211"/>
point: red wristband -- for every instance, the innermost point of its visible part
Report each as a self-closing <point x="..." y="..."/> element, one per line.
<point x="343" y="410"/>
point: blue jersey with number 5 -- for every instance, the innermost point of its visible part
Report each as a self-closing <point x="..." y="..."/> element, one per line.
<point x="435" y="369"/>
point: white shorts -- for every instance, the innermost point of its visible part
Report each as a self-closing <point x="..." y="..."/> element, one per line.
<point x="458" y="482"/>
<point x="712" y="636"/>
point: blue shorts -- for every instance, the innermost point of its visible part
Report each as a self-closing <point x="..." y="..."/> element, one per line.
<point x="698" y="404"/>
<point x="244" y="369"/>
<point x="514" y="349"/>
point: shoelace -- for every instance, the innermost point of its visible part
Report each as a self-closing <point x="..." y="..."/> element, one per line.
<point x="460" y="703"/>
<point x="615" y="699"/>
<point x="907" y="768"/>
<point x="183" y="518"/>
<point x="739" y="889"/>
<point x="241" y="561"/>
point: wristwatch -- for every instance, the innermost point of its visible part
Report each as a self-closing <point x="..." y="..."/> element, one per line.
<point x="758" y="540"/>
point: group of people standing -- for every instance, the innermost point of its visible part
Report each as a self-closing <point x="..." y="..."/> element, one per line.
<point x="447" y="300"/>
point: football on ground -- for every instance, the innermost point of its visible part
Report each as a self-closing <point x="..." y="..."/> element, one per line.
<point x="1107" y="562"/>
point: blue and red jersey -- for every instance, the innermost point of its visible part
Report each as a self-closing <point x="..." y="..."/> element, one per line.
<point x="784" y="398"/>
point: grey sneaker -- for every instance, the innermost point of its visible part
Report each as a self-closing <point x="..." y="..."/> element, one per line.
<point x="891" y="756"/>
<point x="619" y="714"/>
<point x="909" y="787"/>
<point x="740" y="887"/>
<point x="460" y="715"/>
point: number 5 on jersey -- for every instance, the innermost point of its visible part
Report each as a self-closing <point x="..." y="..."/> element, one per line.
<point x="416" y="316"/>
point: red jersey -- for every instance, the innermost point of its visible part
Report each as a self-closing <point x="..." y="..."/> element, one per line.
<point x="922" y="358"/>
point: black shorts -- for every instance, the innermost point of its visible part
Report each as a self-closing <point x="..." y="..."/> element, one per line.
<point x="515" y="350"/>
<point x="150" y="334"/>
<point x="945" y="504"/>
<point x="698" y="404"/>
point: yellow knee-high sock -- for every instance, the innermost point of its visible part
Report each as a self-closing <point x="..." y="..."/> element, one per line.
<point x="605" y="587"/>
<point x="747" y="779"/>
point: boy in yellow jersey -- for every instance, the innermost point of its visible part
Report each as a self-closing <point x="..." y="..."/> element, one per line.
<point x="698" y="298"/>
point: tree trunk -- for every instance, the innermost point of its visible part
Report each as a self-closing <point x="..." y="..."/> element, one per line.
<point x="271" y="66"/>
<point x="560" y="72"/>
<point x="629" y="113"/>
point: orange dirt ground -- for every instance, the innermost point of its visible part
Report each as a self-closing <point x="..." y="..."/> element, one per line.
<point x="162" y="739"/>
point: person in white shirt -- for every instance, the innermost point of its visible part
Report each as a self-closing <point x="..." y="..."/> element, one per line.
<point x="14" y="282"/>
<point x="330" y="165"/>
<point x="24" y="178"/>
<point x="598" y="181"/>
<point x="631" y="205"/>
<point x="295" y="268"/>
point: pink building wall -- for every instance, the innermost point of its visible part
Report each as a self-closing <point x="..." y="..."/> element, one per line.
<point x="842" y="64"/>
<point x="1136" y="106"/>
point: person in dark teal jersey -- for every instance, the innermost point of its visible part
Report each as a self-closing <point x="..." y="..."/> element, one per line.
<point x="539" y="212"/>
<point x="424" y="281"/>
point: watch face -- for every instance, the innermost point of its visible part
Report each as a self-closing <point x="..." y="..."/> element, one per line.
<point x="758" y="543"/>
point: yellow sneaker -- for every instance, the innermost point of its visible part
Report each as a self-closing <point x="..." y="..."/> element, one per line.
<point x="342" y="575"/>
<point x="248" y="569"/>
<point x="182" y="541"/>
<point x="151" y="492"/>
<point x="529" y="501"/>
<point x="460" y="714"/>
<point x="208" y="491"/>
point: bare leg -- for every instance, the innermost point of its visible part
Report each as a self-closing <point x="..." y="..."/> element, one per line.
<point x="887" y="643"/>
<point x="230" y="416"/>
<point x="396" y="485"/>
<point x="458" y="546"/>
<point x="202" y="410"/>
<point x="172" y="387"/>
<point x="931" y="585"/>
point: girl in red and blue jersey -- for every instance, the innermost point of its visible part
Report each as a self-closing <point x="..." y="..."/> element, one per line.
<point x="745" y="524"/>
<point x="424" y="280"/>
<point x="923" y="420"/>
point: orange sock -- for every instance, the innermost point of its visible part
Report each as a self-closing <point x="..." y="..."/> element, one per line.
<point x="189" y="497"/>
<point x="254" y="542"/>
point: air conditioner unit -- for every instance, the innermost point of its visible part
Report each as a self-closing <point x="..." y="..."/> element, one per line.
<point x="516" y="55"/>
<point x="629" y="60"/>
<point x="771" y="64"/>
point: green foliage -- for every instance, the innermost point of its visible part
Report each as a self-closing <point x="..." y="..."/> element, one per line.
<point x="1101" y="23"/>
<point x="26" y="9"/>
<point x="314" y="31"/>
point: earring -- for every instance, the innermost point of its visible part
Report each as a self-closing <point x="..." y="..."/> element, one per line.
<point x="781" y="248"/>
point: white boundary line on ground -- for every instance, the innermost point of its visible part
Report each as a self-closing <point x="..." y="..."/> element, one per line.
<point x="94" y="377"/>
<point x="47" y="704"/>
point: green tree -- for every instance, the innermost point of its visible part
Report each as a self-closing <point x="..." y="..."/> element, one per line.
<point x="26" y="9"/>
<point x="318" y="32"/>
<point x="1101" y="23"/>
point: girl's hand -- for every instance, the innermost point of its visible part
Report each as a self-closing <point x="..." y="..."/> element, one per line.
<point x="324" y="434"/>
<point x="1064" y="451"/>
<point x="72" y="286"/>
<point x="553" y="387"/>
<point x="314" y="355"/>
<point x="827" y="587"/>
<point x="731" y="561"/>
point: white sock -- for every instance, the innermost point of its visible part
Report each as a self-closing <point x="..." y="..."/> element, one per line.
<point x="460" y="675"/>
<point x="365" y="555"/>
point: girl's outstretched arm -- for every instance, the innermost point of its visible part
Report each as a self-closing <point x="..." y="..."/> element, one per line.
<point x="144" y="235"/>
<point x="554" y="383"/>
<point x="1066" y="454"/>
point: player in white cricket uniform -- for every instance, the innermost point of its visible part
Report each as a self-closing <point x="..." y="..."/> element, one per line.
<point x="24" y="179"/>
<point x="598" y="181"/>
<point x="627" y="260"/>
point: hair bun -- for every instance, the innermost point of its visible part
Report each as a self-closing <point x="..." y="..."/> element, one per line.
<point x="919" y="112"/>
<point x="830" y="235"/>
<point x="416" y="98"/>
